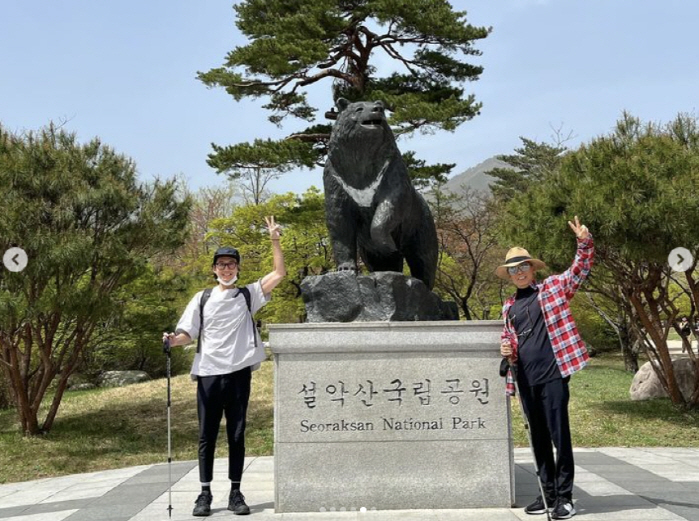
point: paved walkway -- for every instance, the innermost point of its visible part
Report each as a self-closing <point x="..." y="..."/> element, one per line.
<point x="612" y="484"/>
<point x="674" y="347"/>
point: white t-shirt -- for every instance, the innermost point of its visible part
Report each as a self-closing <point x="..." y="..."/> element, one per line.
<point x="228" y="338"/>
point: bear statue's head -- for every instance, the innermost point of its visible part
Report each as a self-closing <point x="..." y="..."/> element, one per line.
<point x="362" y="121"/>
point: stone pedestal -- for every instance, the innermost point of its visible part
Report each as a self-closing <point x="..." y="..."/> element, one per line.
<point x="377" y="297"/>
<point x="390" y="415"/>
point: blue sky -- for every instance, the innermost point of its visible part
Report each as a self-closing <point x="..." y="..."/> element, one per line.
<point x="126" y="71"/>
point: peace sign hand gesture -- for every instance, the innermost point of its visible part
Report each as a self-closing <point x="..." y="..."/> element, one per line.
<point x="275" y="230"/>
<point x="580" y="230"/>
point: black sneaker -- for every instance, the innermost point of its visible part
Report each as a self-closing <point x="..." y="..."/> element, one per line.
<point x="537" y="506"/>
<point x="236" y="503"/>
<point x="202" y="506"/>
<point x="563" y="509"/>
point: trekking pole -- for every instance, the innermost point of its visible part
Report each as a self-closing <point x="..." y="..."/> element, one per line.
<point x="513" y="368"/>
<point x="166" y="350"/>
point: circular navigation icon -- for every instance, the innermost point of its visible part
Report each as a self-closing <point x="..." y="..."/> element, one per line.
<point x="680" y="259"/>
<point x="15" y="259"/>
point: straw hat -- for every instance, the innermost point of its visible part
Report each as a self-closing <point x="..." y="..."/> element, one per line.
<point x="516" y="256"/>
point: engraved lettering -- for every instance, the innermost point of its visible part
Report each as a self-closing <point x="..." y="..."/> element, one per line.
<point x="412" y="424"/>
<point x="338" y="426"/>
<point x="466" y="423"/>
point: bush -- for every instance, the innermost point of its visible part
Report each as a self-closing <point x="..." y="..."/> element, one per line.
<point x="593" y="329"/>
<point x="5" y="400"/>
<point x="150" y="359"/>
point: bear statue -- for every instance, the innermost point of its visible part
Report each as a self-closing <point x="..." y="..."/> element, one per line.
<point x="372" y="207"/>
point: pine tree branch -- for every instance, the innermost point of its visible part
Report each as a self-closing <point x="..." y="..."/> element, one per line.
<point x="309" y="138"/>
<point x="335" y="73"/>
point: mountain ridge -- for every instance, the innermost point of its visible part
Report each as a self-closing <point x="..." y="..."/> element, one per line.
<point x="475" y="177"/>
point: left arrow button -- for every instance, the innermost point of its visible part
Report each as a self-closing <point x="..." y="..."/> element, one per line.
<point x="15" y="259"/>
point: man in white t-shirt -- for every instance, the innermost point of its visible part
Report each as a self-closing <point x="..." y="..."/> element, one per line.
<point x="227" y="351"/>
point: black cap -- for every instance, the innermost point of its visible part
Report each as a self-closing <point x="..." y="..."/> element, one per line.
<point x="227" y="251"/>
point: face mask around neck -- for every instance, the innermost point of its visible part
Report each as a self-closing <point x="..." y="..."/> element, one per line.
<point x="227" y="284"/>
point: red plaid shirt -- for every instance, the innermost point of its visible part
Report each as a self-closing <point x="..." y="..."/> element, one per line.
<point x="554" y="295"/>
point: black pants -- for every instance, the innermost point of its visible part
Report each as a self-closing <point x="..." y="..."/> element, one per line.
<point x="227" y="393"/>
<point x="546" y="407"/>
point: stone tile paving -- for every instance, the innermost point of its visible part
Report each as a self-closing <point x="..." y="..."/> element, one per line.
<point x="612" y="484"/>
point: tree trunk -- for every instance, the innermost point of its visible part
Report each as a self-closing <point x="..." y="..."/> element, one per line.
<point x="20" y="390"/>
<point x="466" y="309"/>
<point x="56" y="402"/>
<point x="663" y="363"/>
<point x="68" y="369"/>
<point x="630" y="357"/>
<point x="629" y="348"/>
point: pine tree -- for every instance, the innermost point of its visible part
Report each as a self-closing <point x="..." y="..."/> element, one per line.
<point x="297" y="43"/>
<point x="530" y="163"/>
<point x="88" y="228"/>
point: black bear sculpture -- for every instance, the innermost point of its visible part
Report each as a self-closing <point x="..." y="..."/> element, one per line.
<point x="372" y="207"/>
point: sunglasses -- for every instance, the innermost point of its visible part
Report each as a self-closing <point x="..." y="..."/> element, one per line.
<point x="521" y="268"/>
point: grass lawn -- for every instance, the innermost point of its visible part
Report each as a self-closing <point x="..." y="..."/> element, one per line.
<point x="120" y="427"/>
<point x="602" y="415"/>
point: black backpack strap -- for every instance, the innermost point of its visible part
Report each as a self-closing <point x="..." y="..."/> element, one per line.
<point x="246" y="293"/>
<point x="202" y="301"/>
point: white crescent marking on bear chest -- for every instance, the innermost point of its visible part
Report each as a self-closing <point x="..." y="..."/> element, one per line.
<point x="364" y="196"/>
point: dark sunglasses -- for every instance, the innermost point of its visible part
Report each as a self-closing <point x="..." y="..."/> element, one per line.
<point x="523" y="268"/>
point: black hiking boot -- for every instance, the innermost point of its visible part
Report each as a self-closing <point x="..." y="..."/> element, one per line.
<point x="202" y="507"/>
<point x="236" y="503"/>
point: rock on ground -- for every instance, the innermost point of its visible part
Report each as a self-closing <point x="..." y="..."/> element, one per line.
<point x="646" y="384"/>
<point x="122" y="378"/>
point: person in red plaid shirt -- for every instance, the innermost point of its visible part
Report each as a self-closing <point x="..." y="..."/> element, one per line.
<point x="542" y="343"/>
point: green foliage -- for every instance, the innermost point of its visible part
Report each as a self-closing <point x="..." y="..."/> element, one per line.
<point x="263" y="154"/>
<point x="424" y="175"/>
<point x="645" y="180"/>
<point x="531" y="163"/>
<point x="595" y="331"/>
<point x="295" y="44"/>
<point x="637" y="190"/>
<point x="5" y="400"/>
<point x="131" y="339"/>
<point x="305" y="243"/>
<point x="87" y="227"/>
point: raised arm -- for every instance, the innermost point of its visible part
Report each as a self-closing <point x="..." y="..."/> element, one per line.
<point x="582" y="264"/>
<point x="273" y="278"/>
